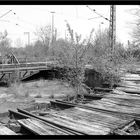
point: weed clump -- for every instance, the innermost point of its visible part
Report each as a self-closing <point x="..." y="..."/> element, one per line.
<point x="18" y="90"/>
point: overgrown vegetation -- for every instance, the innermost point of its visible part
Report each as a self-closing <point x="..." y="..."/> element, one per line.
<point x="71" y="55"/>
<point x="74" y="54"/>
<point x="18" y="90"/>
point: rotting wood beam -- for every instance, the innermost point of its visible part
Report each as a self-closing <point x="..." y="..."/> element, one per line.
<point x="96" y="109"/>
<point x="95" y="127"/>
<point x="51" y="123"/>
<point x="39" y="127"/>
<point x="127" y="126"/>
<point x="6" y="131"/>
<point x="23" y="116"/>
<point x="120" y="132"/>
<point x="15" y="114"/>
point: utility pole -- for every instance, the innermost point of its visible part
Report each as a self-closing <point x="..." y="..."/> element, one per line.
<point x="52" y="26"/>
<point x="112" y="30"/>
<point x="28" y="34"/>
<point x="112" y="26"/>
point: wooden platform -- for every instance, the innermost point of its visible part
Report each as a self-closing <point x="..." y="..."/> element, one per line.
<point x="127" y="103"/>
<point x="130" y="83"/>
<point x="39" y="127"/>
<point x="87" y="121"/>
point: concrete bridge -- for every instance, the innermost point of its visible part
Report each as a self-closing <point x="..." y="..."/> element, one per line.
<point x="24" y="70"/>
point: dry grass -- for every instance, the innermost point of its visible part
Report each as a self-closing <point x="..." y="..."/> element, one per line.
<point x="40" y="89"/>
<point x="18" y="90"/>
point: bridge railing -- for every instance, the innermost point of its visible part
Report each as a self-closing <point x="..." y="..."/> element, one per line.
<point x="25" y="65"/>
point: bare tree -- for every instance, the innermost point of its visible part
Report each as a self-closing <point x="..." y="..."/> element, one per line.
<point x="18" y="43"/>
<point x="5" y="42"/>
<point x="72" y="55"/>
<point x="44" y="35"/>
<point x="136" y="28"/>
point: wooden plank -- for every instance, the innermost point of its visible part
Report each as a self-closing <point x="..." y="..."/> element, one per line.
<point x="76" y="126"/>
<point x="80" y="121"/>
<point x="124" y="96"/>
<point x="72" y="126"/>
<point x="127" y="126"/>
<point x="122" y="102"/>
<point x="95" y="116"/>
<point x="129" y="90"/>
<point x="131" y="75"/>
<point x="51" y="123"/>
<point x="135" y="87"/>
<point x="114" y="107"/>
<point x="39" y="127"/>
<point x="120" y="132"/>
<point x="23" y="116"/>
<point x="130" y="78"/>
<point x="6" y="131"/>
<point x="93" y="108"/>
<point x="104" y="117"/>
<point x="119" y="92"/>
<point x="128" y="103"/>
<point x="89" y="118"/>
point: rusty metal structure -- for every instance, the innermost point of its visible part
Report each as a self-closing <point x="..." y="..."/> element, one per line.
<point x="11" y="68"/>
<point x="112" y="30"/>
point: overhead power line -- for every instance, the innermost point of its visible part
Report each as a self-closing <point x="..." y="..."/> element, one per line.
<point x="93" y="10"/>
<point x="94" y="18"/>
<point x="5" y="14"/>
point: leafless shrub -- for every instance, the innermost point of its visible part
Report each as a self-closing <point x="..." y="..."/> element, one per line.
<point x="18" y="90"/>
<point x="71" y="55"/>
<point x="106" y="61"/>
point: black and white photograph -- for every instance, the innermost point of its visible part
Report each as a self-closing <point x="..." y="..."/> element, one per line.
<point x="70" y="69"/>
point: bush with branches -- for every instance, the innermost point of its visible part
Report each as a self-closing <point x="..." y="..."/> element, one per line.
<point x="71" y="55"/>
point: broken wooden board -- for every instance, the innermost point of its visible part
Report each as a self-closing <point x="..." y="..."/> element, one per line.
<point x="6" y="131"/>
<point x="115" y="91"/>
<point x="131" y="83"/>
<point x="129" y="90"/>
<point x="39" y="127"/>
<point x="96" y="119"/>
<point x="123" y="96"/>
<point x="131" y="78"/>
<point x="92" y="108"/>
<point x="78" y="126"/>
<point x="120" y="132"/>
<point x="88" y="121"/>
<point x="126" y="102"/>
<point x="130" y="86"/>
<point x="50" y="123"/>
<point x="130" y="106"/>
<point x="131" y="75"/>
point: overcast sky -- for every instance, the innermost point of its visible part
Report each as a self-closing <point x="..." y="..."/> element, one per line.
<point x="28" y="18"/>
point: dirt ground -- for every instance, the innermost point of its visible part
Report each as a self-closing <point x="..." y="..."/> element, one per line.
<point x="25" y="94"/>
